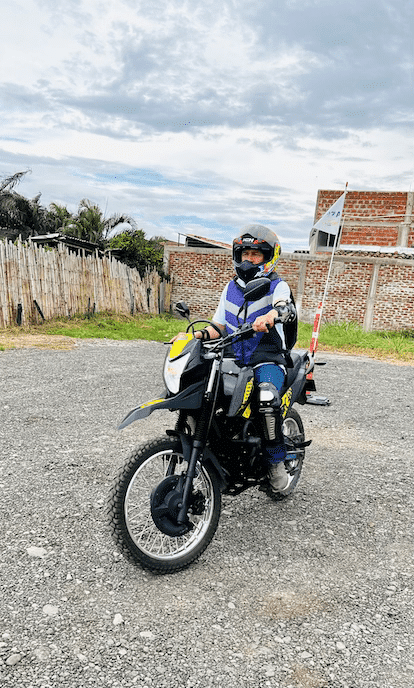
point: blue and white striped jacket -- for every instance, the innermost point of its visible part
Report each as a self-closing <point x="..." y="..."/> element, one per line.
<point x="263" y="346"/>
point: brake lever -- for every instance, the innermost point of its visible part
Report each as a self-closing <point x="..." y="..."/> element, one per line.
<point x="275" y="321"/>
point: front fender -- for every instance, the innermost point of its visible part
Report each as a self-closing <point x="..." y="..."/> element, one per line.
<point x="189" y="398"/>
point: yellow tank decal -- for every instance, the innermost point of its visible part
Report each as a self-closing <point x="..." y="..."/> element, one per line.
<point x="286" y="399"/>
<point x="178" y="346"/>
<point x="247" y="393"/>
<point x="246" y="396"/>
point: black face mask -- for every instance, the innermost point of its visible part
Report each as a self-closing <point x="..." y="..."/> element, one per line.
<point x="247" y="270"/>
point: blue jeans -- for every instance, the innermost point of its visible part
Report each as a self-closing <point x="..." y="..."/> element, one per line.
<point x="271" y="372"/>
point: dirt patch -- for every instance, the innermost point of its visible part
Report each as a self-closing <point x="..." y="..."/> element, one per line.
<point x="307" y="678"/>
<point x="39" y="341"/>
<point x="344" y="437"/>
<point x="288" y="604"/>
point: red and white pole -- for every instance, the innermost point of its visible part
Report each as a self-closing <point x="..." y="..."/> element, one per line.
<point x="316" y="327"/>
<point x="314" y="341"/>
<point x="317" y="322"/>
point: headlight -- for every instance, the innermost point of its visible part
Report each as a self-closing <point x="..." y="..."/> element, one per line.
<point x="173" y="371"/>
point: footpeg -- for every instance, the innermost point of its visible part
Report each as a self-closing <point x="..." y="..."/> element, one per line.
<point x="297" y="443"/>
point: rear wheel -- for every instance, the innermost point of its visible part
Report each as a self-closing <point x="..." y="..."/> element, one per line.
<point x="293" y="432"/>
<point x="144" y="502"/>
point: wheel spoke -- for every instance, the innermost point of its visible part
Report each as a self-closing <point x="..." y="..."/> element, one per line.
<point x="140" y="524"/>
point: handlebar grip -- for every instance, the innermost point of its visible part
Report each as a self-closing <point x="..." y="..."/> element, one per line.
<point x="275" y="320"/>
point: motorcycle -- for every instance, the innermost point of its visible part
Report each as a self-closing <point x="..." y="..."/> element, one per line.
<point x="165" y="502"/>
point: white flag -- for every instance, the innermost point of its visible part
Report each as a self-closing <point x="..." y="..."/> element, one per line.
<point x="331" y="221"/>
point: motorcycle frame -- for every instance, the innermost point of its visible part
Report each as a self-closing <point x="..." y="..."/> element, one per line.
<point x="296" y="392"/>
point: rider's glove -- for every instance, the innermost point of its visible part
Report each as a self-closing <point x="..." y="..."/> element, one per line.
<point x="205" y="335"/>
<point x="285" y="310"/>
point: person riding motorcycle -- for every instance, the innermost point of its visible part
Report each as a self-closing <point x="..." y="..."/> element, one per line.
<point x="255" y="254"/>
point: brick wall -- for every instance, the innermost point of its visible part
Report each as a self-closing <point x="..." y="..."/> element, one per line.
<point x="373" y="288"/>
<point x="395" y="293"/>
<point x="199" y="276"/>
<point x="371" y="218"/>
<point x="348" y="290"/>
<point x="376" y="292"/>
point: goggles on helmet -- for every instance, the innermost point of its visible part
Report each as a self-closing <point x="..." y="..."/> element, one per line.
<point x="259" y="238"/>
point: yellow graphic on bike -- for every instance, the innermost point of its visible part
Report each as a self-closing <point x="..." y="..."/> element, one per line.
<point x="286" y="402"/>
<point x="246" y="396"/>
<point x="150" y="403"/>
<point x="180" y="344"/>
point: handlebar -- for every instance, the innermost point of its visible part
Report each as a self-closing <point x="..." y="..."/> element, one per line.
<point x="242" y="332"/>
<point x="246" y="329"/>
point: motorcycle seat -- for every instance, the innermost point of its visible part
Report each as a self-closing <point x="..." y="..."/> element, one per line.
<point x="297" y="360"/>
<point x="231" y="370"/>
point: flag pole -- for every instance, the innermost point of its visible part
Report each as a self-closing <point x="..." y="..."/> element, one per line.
<point x="318" y="316"/>
<point x="310" y="398"/>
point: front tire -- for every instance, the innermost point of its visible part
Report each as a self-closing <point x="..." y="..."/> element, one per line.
<point x="131" y="520"/>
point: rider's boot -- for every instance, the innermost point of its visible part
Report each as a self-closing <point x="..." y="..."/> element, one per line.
<point x="275" y="450"/>
<point x="278" y="477"/>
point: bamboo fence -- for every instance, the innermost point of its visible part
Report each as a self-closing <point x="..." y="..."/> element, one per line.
<point x="38" y="284"/>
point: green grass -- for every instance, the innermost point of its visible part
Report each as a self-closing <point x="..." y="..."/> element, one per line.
<point x="106" y="326"/>
<point x="348" y="337"/>
<point x="352" y="338"/>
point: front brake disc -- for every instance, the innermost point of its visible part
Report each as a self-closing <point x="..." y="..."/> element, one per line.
<point x="166" y="501"/>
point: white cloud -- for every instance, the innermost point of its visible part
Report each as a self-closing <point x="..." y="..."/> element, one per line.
<point x="236" y="112"/>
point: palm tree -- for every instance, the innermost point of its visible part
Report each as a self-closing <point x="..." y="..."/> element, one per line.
<point x="20" y="216"/>
<point x="60" y="216"/>
<point x="91" y="225"/>
<point x="10" y="182"/>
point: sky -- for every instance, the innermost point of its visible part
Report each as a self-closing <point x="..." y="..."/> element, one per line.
<point x="201" y="117"/>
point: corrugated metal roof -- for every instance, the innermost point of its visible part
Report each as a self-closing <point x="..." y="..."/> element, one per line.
<point x="202" y="242"/>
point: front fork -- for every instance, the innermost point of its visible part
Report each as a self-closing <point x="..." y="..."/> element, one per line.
<point x="199" y="442"/>
<point x="196" y="453"/>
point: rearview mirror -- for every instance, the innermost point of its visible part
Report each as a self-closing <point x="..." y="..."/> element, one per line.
<point x="182" y="309"/>
<point x="256" y="289"/>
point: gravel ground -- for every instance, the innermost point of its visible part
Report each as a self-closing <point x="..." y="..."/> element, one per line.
<point x="312" y="592"/>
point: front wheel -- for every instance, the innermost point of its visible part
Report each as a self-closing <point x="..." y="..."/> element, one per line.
<point x="142" y="526"/>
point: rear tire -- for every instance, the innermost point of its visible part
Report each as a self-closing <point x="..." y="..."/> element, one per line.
<point x="129" y="510"/>
<point x="292" y="429"/>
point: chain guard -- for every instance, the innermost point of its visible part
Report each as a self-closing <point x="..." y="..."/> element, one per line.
<point x="165" y="500"/>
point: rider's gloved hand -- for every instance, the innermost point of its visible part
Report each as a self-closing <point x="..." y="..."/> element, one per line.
<point x="286" y="311"/>
<point x="264" y="322"/>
